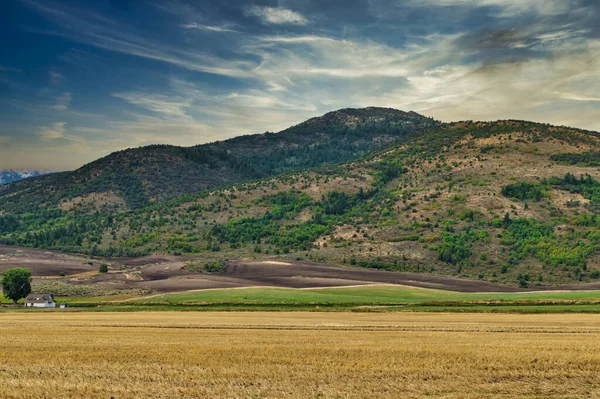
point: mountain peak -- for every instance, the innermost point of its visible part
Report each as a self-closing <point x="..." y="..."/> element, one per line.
<point x="354" y="117"/>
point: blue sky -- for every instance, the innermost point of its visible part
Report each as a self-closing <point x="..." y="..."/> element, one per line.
<point x="80" y="79"/>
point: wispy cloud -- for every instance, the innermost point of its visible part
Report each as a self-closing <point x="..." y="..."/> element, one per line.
<point x="56" y="78"/>
<point x="577" y="97"/>
<point x="62" y="102"/>
<point x="195" y="25"/>
<point x="507" y="8"/>
<point x="161" y="104"/>
<point x="53" y="132"/>
<point x="278" y="15"/>
<point x="89" y="28"/>
<point x="9" y="69"/>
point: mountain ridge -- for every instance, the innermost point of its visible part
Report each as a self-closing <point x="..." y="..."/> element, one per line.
<point x="140" y="176"/>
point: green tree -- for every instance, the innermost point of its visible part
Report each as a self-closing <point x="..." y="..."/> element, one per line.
<point x="16" y="283"/>
<point x="103" y="268"/>
<point x="507" y="220"/>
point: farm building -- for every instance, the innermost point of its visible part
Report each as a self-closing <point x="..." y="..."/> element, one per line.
<point x="40" y="301"/>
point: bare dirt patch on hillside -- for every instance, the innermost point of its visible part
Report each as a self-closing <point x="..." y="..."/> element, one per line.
<point x="42" y="262"/>
<point x="97" y="200"/>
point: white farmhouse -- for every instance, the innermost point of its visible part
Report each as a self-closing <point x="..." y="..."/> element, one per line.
<point x="40" y="301"/>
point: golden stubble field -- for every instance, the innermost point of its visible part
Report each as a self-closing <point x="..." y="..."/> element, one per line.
<point x="298" y="355"/>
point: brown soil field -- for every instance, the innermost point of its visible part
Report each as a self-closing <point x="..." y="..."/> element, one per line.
<point x="298" y="355"/>
<point x="43" y="262"/>
<point x="165" y="273"/>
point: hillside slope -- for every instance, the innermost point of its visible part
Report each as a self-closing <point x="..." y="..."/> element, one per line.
<point x="511" y="202"/>
<point x="138" y="177"/>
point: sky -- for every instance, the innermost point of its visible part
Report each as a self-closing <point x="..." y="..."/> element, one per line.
<point x="81" y="79"/>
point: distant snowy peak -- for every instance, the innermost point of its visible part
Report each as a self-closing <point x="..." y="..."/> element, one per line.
<point x="9" y="176"/>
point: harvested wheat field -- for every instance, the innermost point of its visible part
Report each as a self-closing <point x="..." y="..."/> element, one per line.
<point x="298" y="355"/>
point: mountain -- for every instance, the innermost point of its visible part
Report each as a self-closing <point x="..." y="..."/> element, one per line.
<point x="138" y="177"/>
<point x="10" y="176"/>
<point x="509" y="202"/>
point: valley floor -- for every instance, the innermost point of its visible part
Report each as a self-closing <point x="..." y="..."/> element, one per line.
<point x="298" y="355"/>
<point x="66" y="274"/>
<point x="165" y="282"/>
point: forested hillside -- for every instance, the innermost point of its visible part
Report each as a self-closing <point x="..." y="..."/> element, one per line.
<point x="139" y="177"/>
<point x="509" y="201"/>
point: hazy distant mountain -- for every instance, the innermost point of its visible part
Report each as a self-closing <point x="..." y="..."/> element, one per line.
<point x="9" y="176"/>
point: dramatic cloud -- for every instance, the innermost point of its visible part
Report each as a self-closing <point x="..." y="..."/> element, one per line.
<point x="276" y="15"/>
<point x="210" y="70"/>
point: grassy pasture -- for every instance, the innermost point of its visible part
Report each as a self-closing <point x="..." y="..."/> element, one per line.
<point x="375" y="295"/>
<point x="298" y="355"/>
<point x="365" y="298"/>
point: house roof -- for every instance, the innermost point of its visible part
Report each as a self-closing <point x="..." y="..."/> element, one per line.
<point x="39" y="298"/>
